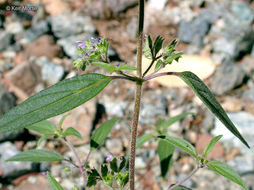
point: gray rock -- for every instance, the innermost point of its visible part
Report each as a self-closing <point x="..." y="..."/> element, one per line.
<point x="252" y="51"/>
<point x="5" y="39"/>
<point x="12" y="169"/>
<point x="115" y="108"/>
<point x="7" y="100"/>
<point x="36" y="31"/>
<point x="114" y="146"/>
<point x="249" y="94"/>
<point x="69" y="44"/>
<point x="242" y="164"/>
<point x="5" y="66"/>
<point x="189" y="183"/>
<point x="208" y="122"/>
<point x="243" y="12"/>
<point x="245" y="124"/>
<point x="193" y="31"/>
<point x="149" y="112"/>
<point x="248" y="66"/>
<point x="132" y="27"/>
<point x="14" y="28"/>
<point x="51" y="73"/>
<point x="69" y="24"/>
<point x="227" y="77"/>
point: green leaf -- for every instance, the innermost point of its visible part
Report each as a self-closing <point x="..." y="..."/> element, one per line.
<point x="203" y="92"/>
<point x="158" y="64"/>
<point x="167" y="123"/>
<point x="165" y="152"/>
<point x="210" y="146"/>
<point x="143" y="139"/>
<point x="122" y="164"/>
<point x="113" y="165"/>
<point x="72" y="132"/>
<point x="158" y="45"/>
<point x="180" y="187"/>
<point x="150" y="42"/>
<point x="37" y="156"/>
<point x="173" y="57"/>
<point x="182" y="144"/>
<point x="80" y="64"/>
<point x="101" y="133"/>
<point x="225" y="170"/>
<point x="109" y="67"/>
<point x="126" y="67"/>
<point x="43" y="127"/>
<point x="104" y="170"/>
<point x="54" y="185"/>
<point x="59" y="126"/>
<point x="43" y="138"/>
<point x="55" y="100"/>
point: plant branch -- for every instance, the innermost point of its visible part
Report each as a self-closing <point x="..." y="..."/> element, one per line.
<point x="137" y="97"/>
<point x="149" y="77"/>
<point x="80" y="165"/>
<point x="151" y="64"/>
<point x="185" y="179"/>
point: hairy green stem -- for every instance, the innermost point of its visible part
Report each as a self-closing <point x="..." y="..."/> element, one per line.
<point x="137" y="97"/>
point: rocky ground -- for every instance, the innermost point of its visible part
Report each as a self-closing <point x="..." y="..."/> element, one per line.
<point x="37" y="48"/>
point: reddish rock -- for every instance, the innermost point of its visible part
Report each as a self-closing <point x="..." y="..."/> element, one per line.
<point x="43" y="46"/>
<point x="81" y="119"/>
<point x="24" y="76"/>
<point x="41" y="183"/>
<point x="203" y="140"/>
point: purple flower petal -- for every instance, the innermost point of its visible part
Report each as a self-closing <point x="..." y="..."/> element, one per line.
<point x="109" y="157"/>
<point x="81" y="45"/>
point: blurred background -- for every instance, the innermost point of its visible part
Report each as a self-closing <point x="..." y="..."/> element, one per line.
<point x="37" y="48"/>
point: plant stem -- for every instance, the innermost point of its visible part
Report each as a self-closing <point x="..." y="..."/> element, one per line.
<point x="137" y="97"/>
<point x="80" y="165"/>
<point x="149" y="77"/>
<point x="151" y="64"/>
<point x="185" y="179"/>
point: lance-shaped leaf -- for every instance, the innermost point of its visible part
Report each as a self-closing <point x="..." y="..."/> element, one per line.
<point x="210" y="146"/>
<point x="182" y="144"/>
<point x="43" y="127"/>
<point x="143" y="139"/>
<point x="101" y="133"/>
<point x="53" y="184"/>
<point x="203" y="92"/>
<point x="165" y="152"/>
<point x="225" y="170"/>
<point x="37" y="156"/>
<point x="72" y="132"/>
<point x="55" y="100"/>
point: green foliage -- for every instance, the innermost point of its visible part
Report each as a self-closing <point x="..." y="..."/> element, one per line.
<point x="43" y="127"/>
<point x="71" y="132"/>
<point x="163" y="125"/>
<point x="143" y="139"/>
<point x="157" y="45"/>
<point x="223" y="169"/>
<point x="205" y="95"/>
<point x="55" y="100"/>
<point x="182" y="144"/>
<point x="210" y="146"/>
<point x="113" y="165"/>
<point x="165" y="152"/>
<point x="101" y="133"/>
<point x="37" y="156"/>
<point x="93" y="177"/>
<point x="54" y="185"/>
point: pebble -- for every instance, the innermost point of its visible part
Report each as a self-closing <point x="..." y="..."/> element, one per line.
<point x="249" y="94"/>
<point x="115" y="108"/>
<point x="14" y="28"/>
<point x="226" y="78"/>
<point x="5" y="39"/>
<point x="37" y="30"/>
<point x="68" y="24"/>
<point x="139" y="163"/>
<point x="50" y="72"/>
<point x="244" y="123"/>
<point x="242" y="11"/>
<point x="114" y="146"/>
<point x="248" y="66"/>
<point x="242" y="164"/>
<point x="12" y="169"/>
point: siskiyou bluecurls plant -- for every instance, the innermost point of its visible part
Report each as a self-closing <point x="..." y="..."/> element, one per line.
<point x="70" y="93"/>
